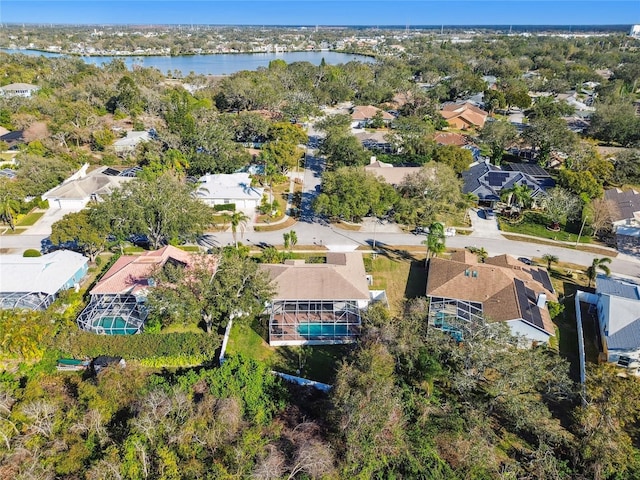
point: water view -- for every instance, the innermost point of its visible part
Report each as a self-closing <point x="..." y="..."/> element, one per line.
<point x="215" y="64"/>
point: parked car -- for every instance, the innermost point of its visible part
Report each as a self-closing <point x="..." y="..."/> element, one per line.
<point x="526" y="261"/>
<point x="489" y="214"/>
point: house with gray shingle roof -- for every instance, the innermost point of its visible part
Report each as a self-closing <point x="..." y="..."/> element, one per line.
<point x="487" y="181"/>
<point x="625" y="219"/>
<point x="618" y="306"/>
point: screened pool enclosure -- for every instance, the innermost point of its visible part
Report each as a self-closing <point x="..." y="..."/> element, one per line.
<point x="116" y="314"/>
<point x="313" y="322"/>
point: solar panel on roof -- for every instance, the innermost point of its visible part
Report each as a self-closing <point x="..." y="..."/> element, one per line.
<point x="529" y="169"/>
<point x="496" y="179"/>
<point x="528" y="308"/>
<point x="111" y="172"/>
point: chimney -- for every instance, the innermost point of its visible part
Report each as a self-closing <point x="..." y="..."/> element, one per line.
<point x="542" y="300"/>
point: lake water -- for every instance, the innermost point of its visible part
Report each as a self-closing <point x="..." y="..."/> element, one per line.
<point x="217" y="64"/>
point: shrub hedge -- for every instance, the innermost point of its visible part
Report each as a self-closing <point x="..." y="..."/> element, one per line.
<point x="159" y="350"/>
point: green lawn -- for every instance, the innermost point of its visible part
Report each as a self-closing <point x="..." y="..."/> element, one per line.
<point x="401" y="273"/>
<point x="30" y="219"/>
<point x="535" y="224"/>
<point x="318" y="362"/>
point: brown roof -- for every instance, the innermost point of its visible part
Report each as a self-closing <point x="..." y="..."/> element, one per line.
<point x="445" y="138"/>
<point x="367" y="112"/>
<point x="467" y="112"/>
<point x="130" y="274"/>
<point x="464" y="256"/>
<point x="343" y="277"/>
<point x="492" y="285"/>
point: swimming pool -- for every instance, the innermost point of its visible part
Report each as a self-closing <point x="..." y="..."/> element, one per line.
<point x="113" y="326"/>
<point x="323" y="330"/>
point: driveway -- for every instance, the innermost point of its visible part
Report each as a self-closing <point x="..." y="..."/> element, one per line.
<point x="51" y="216"/>
<point x="482" y="227"/>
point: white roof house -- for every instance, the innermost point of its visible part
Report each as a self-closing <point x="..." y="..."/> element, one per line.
<point x="75" y="192"/>
<point x="18" y="90"/>
<point x="33" y="283"/>
<point x="129" y="143"/>
<point x="234" y="188"/>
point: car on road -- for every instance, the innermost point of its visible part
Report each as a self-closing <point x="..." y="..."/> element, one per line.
<point x="489" y="214"/>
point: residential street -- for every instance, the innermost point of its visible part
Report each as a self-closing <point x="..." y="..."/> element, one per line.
<point x="331" y="237"/>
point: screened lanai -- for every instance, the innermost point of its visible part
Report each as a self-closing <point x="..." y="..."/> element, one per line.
<point x="314" y="322"/>
<point x="317" y="303"/>
<point x="29" y="300"/>
<point x="117" y="314"/>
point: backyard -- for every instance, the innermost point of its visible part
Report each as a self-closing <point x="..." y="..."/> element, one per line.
<point x="400" y="272"/>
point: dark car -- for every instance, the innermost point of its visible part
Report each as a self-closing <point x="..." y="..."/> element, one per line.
<point x="525" y="260"/>
<point x="489" y="214"/>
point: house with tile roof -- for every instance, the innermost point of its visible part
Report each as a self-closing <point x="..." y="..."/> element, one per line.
<point x="34" y="282"/>
<point x="502" y="289"/>
<point x="318" y="303"/>
<point x="117" y="304"/>
<point x="362" y="115"/>
<point x="487" y="181"/>
<point x="464" y="115"/>
<point x="450" y="138"/>
<point x="618" y="306"/>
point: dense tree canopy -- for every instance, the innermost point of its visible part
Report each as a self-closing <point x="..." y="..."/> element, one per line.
<point x="352" y="193"/>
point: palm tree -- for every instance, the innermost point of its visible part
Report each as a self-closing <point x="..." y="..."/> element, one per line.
<point x="550" y="258"/>
<point x="598" y="264"/>
<point x="9" y="207"/>
<point x="482" y="254"/>
<point x="519" y="195"/>
<point x="238" y="219"/>
<point x="435" y="239"/>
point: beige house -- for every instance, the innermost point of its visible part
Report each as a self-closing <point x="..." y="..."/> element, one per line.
<point x="318" y="303"/>
<point x="502" y="289"/>
<point x="18" y="90"/>
<point x="464" y="115"/>
<point x="362" y="115"/>
<point x="390" y="174"/>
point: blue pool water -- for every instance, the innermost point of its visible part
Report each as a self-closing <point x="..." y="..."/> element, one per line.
<point x="115" y="326"/>
<point x="322" y="329"/>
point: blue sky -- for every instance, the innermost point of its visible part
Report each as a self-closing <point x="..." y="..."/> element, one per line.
<point x="323" y="12"/>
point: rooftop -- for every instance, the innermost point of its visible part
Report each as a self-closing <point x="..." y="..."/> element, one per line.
<point x="343" y="277"/>
<point x="507" y="289"/>
<point x="367" y="112"/>
<point x="97" y="183"/>
<point x="390" y="174"/>
<point x="131" y="273"/>
<point x="46" y="274"/>
<point x="229" y="186"/>
<point x="627" y="203"/>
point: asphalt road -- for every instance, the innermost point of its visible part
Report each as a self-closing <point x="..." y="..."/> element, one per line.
<point x="316" y="234"/>
<point x="310" y="233"/>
